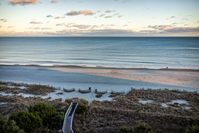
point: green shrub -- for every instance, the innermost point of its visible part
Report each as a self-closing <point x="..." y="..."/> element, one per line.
<point x="192" y="129"/>
<point x="80" y="109"/>
<point x="27" y="121"/>
<point x="62" y="110"/>
<point x="142" y="128"/>
<point x="43" y="110"/>
<point x="9" y="126"/>
<point x="56" y="120"/>
<point x="125" y="129"/>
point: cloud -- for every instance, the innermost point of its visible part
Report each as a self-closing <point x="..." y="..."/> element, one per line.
<point x="182" y="29"/>
<point x="171" y="29"/>
<point x="101" y="15"/>
<point x="34" y="28"/>
<point x="198" y="22"/>
<point x="58" y="17"/>
<point x="10" y="27"/>
<point x="48" y="16"/>
<point x="46" y="28"/>
<point x="109" y="11"/>
<point x="62" y="24"/>
<point x="84" y="12"/>
<point x="160" y="27"/>
<point x="79" y="26"/>
<point x="4" y="20"/>
<point x="108" y="17"/>
<point x="54" y="1"/>
<point x="33" y="22"/>
<point x="0" y="26"/>
<point x="179" y="31"/>
<point x="184" y="19"/>
<point x="172" y="16"/>
<point x="23" y="2"/>
<point x="37" y="28"/>
<point x="118" y="15"/>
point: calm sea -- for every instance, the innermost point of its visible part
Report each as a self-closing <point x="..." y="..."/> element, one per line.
<point x="120" y="52"/>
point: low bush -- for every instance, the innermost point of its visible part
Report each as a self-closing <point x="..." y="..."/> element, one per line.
<point x="43" y="110"/>
<point x="142" y="128"/>
<point x="56" y="121"/>
<point x="9" y="126"/>
<point x="192" y="129"/>
<point x="125" y="129"/>
<point x="27" y="121"/>
<point x="80" y="109"/>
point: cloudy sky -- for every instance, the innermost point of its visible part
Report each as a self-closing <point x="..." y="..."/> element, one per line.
<point x="99" y="18"/>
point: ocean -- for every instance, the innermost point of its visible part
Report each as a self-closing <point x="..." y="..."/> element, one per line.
<point x="116" y="52"/>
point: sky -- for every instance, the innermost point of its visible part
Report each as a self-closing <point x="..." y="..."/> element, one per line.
<point x="99" y="18"/>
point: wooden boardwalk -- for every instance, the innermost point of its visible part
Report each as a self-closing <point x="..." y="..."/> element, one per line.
<point x="68" y="119"/>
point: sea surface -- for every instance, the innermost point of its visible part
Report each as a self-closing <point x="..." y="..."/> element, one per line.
<point x="118" y="52"/>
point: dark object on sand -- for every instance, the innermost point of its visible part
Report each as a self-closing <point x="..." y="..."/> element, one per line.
<point x="60" y="93"/>
<point x="69" y="90"/>
<point x="84" y="91"/>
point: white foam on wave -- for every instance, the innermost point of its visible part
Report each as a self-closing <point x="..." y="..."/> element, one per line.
<point x="104" y="65"/>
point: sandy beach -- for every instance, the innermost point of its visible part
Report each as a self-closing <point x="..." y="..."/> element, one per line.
<point x="183" y="78"/>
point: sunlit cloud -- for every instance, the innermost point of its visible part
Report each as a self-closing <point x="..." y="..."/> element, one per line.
<point x="101" y="15"/>
<point x="0" y="26"/>
<point x="54" y="1"/>
<point x="58" y="17"/>
<point x="4" y="20"/>
<point x="84" y="12"/>
<point x="33" y="22"/>
<point x="109" y="11"/>
<point x="23" y="2"/>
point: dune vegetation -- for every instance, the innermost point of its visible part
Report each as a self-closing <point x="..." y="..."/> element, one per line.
<point x="126" y="113"/>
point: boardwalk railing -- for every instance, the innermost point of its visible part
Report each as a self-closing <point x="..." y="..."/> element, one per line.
<point x="68" y="118"/>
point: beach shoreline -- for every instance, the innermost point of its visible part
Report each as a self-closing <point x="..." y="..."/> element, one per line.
<point x="138" y="77"/>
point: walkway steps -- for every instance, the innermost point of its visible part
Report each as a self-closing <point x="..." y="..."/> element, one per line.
<point x="68" y="119"/>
